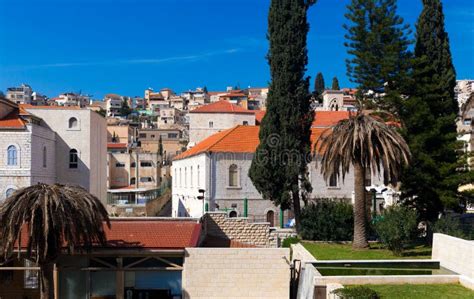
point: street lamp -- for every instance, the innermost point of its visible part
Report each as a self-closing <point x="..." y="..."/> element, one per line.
<point x="205" y="208"/>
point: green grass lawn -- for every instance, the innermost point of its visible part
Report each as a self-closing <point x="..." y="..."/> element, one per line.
<point x="420" y="291"/>
<point x="334" y="251"/>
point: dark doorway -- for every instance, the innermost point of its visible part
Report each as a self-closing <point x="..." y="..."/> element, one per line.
<point x="271" y="218"/>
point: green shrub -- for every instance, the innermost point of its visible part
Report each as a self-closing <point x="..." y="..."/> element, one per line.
<point x="358" y="292"/>
<point x="397" y="228"/>
<point x="449" y="225"/>
<point x="328" y="220"/>
<point x="290" y="240"/>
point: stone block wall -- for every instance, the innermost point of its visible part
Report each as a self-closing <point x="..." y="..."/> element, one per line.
<point x="236" y="273"/>
<point x="217" y="224"/>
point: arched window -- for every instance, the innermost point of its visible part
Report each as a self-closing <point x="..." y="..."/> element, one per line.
<point x="73" y="159"/>
<point x="12" y="154"/>
<point x="9" y="192"/>
<point x="72" y="123"/>
<point x="133" y="181"/>
<point x="233" y="214"/>
<point x="45" y="154"/>
<point x="191" y="177"/>
<point x="198" y="181"/>
<point x="185" y="177"/>
<point x="211" y="124"/>
<point x="233" y="176"/>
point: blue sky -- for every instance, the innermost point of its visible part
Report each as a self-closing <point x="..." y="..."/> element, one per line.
<point x="125" y="46"/>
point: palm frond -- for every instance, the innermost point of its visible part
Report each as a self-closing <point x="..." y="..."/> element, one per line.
<point x="55" y="217"/>
<point x="363" y="138"/>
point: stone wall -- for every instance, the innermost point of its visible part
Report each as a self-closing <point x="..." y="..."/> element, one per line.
<point x="278" y="235"/>
<point x="217" y="224"/>
<point x="236" y="273"/>
<point x="454" y="253"/>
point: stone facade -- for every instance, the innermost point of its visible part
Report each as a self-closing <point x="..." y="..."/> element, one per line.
<point x="217" y="224"/>
<point x="35" y="146"/>
<point x="88" y="136"/>
<point x="236" y="273"/>
<point x="214" y="178"/>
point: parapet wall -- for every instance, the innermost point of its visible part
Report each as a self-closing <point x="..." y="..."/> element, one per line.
<point x="454" y="253"/>
<point x="236" y="273"/>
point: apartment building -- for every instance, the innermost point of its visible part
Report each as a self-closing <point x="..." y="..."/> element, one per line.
<point x="22" y="94"/>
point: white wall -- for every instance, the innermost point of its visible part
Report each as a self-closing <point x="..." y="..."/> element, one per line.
<point x="199" y="124"/>
<point x="89" y="138"/>
<point x="236" y="273"/>
<point x="454" y="253"/>
<point x="186" y="184"/>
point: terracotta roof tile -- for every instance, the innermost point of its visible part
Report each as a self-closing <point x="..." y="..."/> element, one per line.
<point x="146" y="234"/>
<point x="12" y="120"/>
<point x="221" y="106"/>
<point x="240" y="139"/>
<point x="259" y="114"/>
<point x="324" y="119"/>
<point x="116" y="145"/>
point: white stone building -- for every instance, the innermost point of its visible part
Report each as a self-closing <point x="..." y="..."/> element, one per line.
<point x="80" y="146"/>
<point x="219" y="165"/>
<point x="27" y="150"/>
<point x="215" y="117"/>
<point x="463" y="90"/>
<point x="113" y="104"/>
<point x="20" y="95"/>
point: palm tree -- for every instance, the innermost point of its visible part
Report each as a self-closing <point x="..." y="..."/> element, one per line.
<point x="56" y="217"/>
<point x="367" y="144"/>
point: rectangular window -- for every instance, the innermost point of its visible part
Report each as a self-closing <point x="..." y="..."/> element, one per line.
<point x="142" y="135"/>
<point x="119" y="164"/>
<point x="172" y="135"/>
<point x="146" y="164"/>
<point x="146" y="179"/>
<point x="30" y="278"/>
<point x="245" y="123"/>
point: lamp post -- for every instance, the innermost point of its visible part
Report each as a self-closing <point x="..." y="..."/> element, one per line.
<point x="205" y="208"/>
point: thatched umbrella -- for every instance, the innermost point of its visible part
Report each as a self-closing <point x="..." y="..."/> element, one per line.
<point x="367" y="144"/>
<point x="56" y="218"/>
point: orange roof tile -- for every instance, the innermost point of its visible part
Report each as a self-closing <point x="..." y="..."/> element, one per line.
<point x="28" y="106"/>
<point x="116" y="145"/>
<point x="324" y="119"/>
<point x="240" y="139"/>
<point x="146" y="234"/>
<point x="221" y="106"/>
<point x="259" y="114"/>
<point x="12" y="121"/>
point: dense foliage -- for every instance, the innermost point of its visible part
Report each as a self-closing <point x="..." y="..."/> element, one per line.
<point x="379" y="60"/>
<point x="429" y="114"/>
<point x="335" y="84"/>
<point x="290" y="240"/>
<point x="453" y="225"/>
<point x="328" y="220"/>
<point x="279" y="166"/>
<point x="319" y="85"/>
<point x="357" y="292"/>
<point x="397" y="228"/>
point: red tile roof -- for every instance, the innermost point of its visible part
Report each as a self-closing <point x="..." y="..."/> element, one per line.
<point x="12" y="121"/>
<point x="240" y="139"/>
<point x="324" y="119"/>
<point x="28" y="106"/>
<point x="221" y="106"/>
<point x="153" y="234"/>
<point x="146" y="234"/>
<point x="116" y="145"/>
<point x="259" y="114"/>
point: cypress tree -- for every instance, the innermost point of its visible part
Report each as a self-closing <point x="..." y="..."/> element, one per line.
<point x="279" y="166"/>
<point x="377" y="44"/>
<point x="335" y="84"/>
<point x="431" y="183"/>
<point x="319" y="85"/>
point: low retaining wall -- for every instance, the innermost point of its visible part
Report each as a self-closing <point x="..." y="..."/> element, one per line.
<point x="387" y="279"/>
<point x="236" y="273"/>
<point x="454" y="254"/>
<point x="238" y="229"/>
